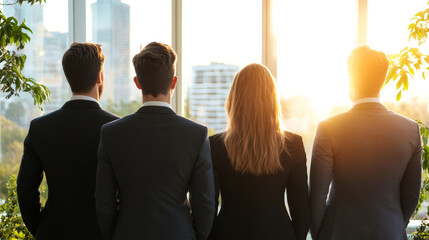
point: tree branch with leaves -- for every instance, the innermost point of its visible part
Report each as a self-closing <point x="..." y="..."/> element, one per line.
<point x="410" y="60"/>
<point x="13" y="37"/>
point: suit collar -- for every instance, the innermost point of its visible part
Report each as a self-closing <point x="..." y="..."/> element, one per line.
<point x="367" y="100"/>
<point x="79" y="104"/>
<point x="156" y="103"/>
<point x="369" y="106"/>
<point x="156" y="109"/>
<point x="83" y="97"/>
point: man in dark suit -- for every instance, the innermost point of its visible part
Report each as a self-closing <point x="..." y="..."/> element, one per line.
<point x="63" y="145"/>
<point x="151" y="159"/>
<point x="372" y="159"/>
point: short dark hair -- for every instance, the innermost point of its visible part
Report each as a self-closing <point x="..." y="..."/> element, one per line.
<point x="368" y="69"/>
<point x="82" y="63"/>
<point x="155" y="67"/>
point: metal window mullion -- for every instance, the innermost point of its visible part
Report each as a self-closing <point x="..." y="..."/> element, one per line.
<point x="176" y="42"/>
<point x="362" y="22"/>
<point x="269" y="40"/>
<point x="77" y="20"/>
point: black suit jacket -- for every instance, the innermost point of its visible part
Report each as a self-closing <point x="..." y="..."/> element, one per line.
<point x="63" y="145"/>
<point x="253" y="207"/>
<point x="150" y="160"/>
<point x="369" y="161"/>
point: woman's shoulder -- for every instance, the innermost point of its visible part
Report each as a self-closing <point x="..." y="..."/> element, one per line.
<point x="216" y="138"/>
<point x="295" y="151"/>
<point x="218" y="149"/>
<point x="291" y="137"/>
<point x="217" y="141"/>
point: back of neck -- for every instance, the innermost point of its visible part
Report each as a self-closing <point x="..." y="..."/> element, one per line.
<point x="158" y="98"/>
<point x="90" y="94"/>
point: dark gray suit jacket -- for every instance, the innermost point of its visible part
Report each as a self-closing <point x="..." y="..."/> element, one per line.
<point x="149" y="161"/>
<point x="63" y="145"/>
<point x="372" y="157"/>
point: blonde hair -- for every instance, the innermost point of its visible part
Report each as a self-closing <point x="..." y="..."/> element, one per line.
<point x="254" y="137"/>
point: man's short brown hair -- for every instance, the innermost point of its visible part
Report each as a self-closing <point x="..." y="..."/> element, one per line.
<point x="82" y="63"/>
<point x="367" y="68"/>
<point x="155" y="67"/>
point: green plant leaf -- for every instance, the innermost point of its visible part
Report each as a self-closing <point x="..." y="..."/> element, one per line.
<point x="411" y="70"/>
<point x="398" y="96"/>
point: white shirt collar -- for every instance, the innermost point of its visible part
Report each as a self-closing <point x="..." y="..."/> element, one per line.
<point x="83" y="97"/>
<point x="366" y="100"/>
<point x="156" y="103"/>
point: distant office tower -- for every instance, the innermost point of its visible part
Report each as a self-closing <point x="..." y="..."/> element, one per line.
<point x="111" y="28"/>
<point x="53" y="77"/>
<point x="207" y="94"/>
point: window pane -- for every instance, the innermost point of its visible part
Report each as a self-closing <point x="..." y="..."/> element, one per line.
<point x="49" y="40"/>
<point x="122" y="27"/>
<point x="314" y="40"/>
<point x="219" y="38"/>
<point x="388" y="26"/>
<point x="388" y="32"/>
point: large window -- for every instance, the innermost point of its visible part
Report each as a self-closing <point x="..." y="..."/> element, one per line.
<point x="388" y="32"/>
<point x="214" y="39"/>
<point x="49" y="40"/>
<point x="314" y="39"/>
<point x="219" y="38"/>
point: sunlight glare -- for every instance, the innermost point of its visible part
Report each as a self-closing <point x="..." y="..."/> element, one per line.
<point x="314" y="40"/>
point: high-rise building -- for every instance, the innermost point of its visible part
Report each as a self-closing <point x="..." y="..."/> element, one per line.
<point x="111" y="28"/>
<point x="53" y="76"/>
<point x="207" y="94"/>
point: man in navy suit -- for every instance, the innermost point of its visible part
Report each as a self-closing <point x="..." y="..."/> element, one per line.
<point x="151" y="159"/>
<point x="369" y="161"/>
<point x="63" y="145"/>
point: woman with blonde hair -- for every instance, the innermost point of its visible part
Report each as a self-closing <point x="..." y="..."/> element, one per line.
<point x="254" y="162"/>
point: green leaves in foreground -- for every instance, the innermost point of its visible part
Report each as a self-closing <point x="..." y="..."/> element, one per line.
<point x="32" y="2"/>
<point x="11" y="224"/>
<point x="13" y="37"/>
<point x="424" y="190"/>
<point x="404" y="66"/>
<point x="421" y="233"/>
<point x="13" y="82"/>
<point x="424" y="132"/>
<point x="410" y="60"/>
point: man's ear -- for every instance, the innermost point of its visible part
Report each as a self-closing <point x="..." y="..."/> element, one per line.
<point x="136" y="81"/>
<point x="100" y="77"/>
<point x="173" y="83"/>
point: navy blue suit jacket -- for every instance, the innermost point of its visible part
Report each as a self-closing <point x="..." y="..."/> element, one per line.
<point x="63" y="145"/>
<point x="365" y="175"/>
<point x="148" y="162"/>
